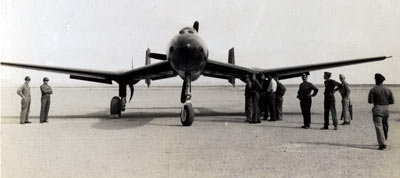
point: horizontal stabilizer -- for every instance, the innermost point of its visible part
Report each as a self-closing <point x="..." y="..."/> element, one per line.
<point x="158" y="56"/>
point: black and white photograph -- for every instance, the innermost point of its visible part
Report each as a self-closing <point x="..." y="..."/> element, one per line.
<point x="200" y="89"/>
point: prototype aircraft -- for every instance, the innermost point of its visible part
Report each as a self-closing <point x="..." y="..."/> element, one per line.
<point x="186" y="57"/>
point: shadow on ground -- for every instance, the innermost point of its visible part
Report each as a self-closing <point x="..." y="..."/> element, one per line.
<point x="357" y="146"/>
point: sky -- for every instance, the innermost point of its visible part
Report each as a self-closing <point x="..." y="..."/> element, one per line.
<point x="114" y="35"/>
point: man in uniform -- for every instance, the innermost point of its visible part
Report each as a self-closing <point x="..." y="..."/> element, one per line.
<point x="263" y="97"/>
<point x="248" y="102"/>
<point x="329" y="101"/>
<point x="344" y="90"/>
<point x="271" y="97"/>
<point x="304" y="95"/>
<point x="25" y="92"/>
<point x="381" y="97"/>
<point x="45" y="100"/>
<point x="280" y="91"/>
<point x="255" y="89"/>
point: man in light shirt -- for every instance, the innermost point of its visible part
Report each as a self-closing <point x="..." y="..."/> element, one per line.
<point x="271" y="97"/>
<point x="25" y="92"/>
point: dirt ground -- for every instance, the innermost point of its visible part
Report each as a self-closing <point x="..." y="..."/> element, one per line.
<point x="149" y="141"/>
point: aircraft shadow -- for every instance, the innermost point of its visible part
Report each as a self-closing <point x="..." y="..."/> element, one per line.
<point x="358" y="146"/>
<point x="143" y="116"/>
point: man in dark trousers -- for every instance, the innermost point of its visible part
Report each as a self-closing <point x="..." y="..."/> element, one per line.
<point x="331" y="86"/>
<point x="344" y="90"/>
<point x="381" y="97"/>
<point x="45" y="100"/>
<point x="271" y="97"/>
<point x="25" y="92"/>
<point x="248" y="102"/>
<point x="255" y="89"/>
<point x="304" y="95"/>
<point x="263" y="97"/>
<point x="280" y="91"/>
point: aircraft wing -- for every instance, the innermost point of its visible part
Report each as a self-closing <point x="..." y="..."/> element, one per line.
<point x="295" y="70"/>
<point x="154" y="71"/>
<point x="222" y="70"/>
<point x="226" y="71"/>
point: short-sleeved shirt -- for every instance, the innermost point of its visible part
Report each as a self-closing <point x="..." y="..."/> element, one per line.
<point x="46" y="90"/>
<point x="380" y="95"/>
<point x="280" y="89"/>
<point x="305" y="89"/>
<point x="345" y="90"/>
<point x="330" y="86"/>
<point x="24" y="90"/>
<point x="272" y="86"/>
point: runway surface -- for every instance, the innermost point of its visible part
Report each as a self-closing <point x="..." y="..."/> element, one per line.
<point x="149" y="141"/>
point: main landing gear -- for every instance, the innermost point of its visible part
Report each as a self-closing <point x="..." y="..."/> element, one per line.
<point x="187" y="111"/>
<point x="118" y="104"/>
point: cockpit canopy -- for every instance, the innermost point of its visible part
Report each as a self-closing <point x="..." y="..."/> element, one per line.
<point x="187" y="30"/>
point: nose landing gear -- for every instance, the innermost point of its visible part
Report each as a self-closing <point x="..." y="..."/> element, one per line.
<point x="187" y="111"/>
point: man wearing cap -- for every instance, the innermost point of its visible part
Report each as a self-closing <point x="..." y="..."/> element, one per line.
<point x="255" y="89"/>
<point x="329" y="101"/>
<point x="45" y="100"/>
<point x="344" y="90"/>
<point x="248" y="99"/>
<point x="304" y="95"/>
<point x="25" y="92"/>
<point x="381" y="97"/>
<point x="263" y="97"/>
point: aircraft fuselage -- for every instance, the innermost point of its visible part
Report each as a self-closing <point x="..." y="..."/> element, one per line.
<point x="188" y="53"/>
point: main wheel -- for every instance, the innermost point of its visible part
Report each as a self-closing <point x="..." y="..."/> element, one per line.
<point x="115" y="106"/>
<point x="187" y="115"/>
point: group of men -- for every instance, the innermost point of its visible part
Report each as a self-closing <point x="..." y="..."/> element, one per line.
<point x="379" y="96"/>
<point x="263" y="98"/>
<point x="307" y="90"/>
<point x="266" y="96"/>
<point x="25" y="92"/>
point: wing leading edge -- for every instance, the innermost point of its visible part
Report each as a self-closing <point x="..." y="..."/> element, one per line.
<point x="154" y="71"/>
<point x="225" y="71"/>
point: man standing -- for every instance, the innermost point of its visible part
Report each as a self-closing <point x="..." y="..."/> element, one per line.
<point x="255" y="88"/>
<point x="248" y="102"/>
<point x="280" y="91"/>
<point x="271" y="97"/>
<point x="45" y="100"/>
<point x="345" y="92"/>
<point x="263" y="97"/>
<point x="304" y="95"/>
<point x="329" y="102"/>
<point x="25" y="92"/>
<point x="381" y="97"/>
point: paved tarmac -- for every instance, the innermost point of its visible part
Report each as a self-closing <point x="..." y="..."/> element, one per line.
<point x="149" y="141"/>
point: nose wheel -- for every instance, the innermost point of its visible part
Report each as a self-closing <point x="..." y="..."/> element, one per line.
<point x="187" y="114"/>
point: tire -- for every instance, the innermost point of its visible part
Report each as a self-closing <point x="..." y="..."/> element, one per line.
<point x="187" y="115"/>
<point x="115" y="106"/>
